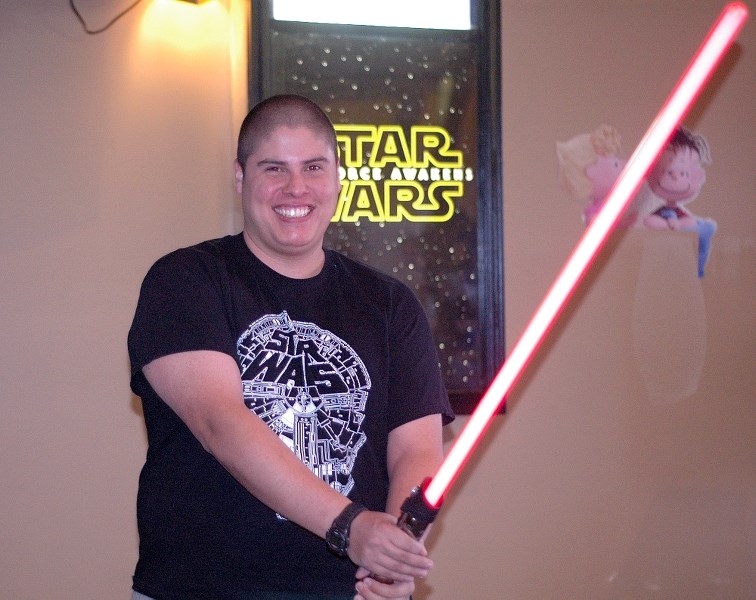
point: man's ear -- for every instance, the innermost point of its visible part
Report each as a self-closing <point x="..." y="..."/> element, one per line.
<point x="238" y="176"/>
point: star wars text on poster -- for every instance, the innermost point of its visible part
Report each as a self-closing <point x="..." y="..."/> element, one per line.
<point x="390" y="176"/>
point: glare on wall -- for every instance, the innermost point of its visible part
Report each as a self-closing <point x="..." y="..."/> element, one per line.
<point x="419" y="14"/>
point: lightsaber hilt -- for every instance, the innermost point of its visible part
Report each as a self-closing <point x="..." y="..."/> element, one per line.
<point x="417" y="513"/>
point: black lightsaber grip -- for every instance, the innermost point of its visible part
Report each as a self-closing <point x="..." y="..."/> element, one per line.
<point x="417" y="514"/>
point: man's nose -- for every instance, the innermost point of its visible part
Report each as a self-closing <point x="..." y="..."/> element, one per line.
<point x="295" y="185"/>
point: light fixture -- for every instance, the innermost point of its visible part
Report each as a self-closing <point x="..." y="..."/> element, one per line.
<point x="194" y="1"/>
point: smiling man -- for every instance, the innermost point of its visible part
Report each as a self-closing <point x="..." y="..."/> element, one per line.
<point x="292" y="396"/>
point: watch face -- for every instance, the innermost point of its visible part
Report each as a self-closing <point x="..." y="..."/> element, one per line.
<point x="337" y="537"/>
<point x="337" y="541"/>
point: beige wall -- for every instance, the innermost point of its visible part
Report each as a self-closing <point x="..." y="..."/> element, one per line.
<point x="625" y="466"/>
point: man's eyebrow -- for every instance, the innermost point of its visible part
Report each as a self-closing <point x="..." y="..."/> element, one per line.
<point x="272" y="161"/>
<point x="315" y="159"/>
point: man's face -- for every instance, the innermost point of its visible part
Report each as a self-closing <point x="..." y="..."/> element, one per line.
<point x="289" y="191"/>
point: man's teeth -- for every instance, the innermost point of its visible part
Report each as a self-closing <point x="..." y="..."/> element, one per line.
<point x="293" y="212"/>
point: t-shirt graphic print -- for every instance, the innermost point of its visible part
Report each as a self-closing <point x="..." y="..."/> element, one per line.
<point x="311" y="388"/>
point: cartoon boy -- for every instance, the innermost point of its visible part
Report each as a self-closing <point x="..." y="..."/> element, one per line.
<point x="675" y="180"/>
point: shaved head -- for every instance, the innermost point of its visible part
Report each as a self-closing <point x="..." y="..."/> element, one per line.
<point x="285" y="110"/>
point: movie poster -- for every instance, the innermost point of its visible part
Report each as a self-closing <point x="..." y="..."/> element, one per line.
<point x="405" y="106"/>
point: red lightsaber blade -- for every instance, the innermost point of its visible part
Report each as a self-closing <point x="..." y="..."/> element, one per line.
<point x="423" y="504"/>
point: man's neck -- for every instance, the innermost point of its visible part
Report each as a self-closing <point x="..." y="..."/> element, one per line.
<point x="301" y="266"/>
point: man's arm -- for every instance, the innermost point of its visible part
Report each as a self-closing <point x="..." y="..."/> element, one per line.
<point x="204" y="389"/>
<point x="415" y="451"/>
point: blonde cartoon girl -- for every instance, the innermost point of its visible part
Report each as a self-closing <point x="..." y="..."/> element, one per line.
<point x="589" y="165"/>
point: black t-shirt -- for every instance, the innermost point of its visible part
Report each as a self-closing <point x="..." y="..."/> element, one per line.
<point x="332" y="364"/>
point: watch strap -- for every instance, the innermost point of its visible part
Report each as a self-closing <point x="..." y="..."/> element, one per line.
<point x="337" y="536"/>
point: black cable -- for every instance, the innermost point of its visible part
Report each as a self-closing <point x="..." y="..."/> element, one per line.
<point x="94" y="31"/>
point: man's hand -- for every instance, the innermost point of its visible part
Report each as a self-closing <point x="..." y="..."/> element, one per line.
<point x="368" y="588"/>
<point x="376" y="543"/>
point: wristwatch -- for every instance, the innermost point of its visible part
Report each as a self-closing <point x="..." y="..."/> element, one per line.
<point x="337" y="537"/>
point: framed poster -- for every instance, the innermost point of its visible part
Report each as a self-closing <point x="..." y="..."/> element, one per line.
<point x="416" y="107"/>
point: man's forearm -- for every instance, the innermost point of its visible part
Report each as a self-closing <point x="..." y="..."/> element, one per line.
<point x="415" y="452"/>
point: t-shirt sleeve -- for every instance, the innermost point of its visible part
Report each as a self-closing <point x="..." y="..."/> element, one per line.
<point x="181" y="308"/>
<point x="416" y="387"/>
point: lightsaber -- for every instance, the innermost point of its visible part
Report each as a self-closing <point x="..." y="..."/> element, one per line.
<point x="421" y="507"/>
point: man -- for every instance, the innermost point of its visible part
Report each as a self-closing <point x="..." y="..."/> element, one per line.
<point x="285" y="389"/>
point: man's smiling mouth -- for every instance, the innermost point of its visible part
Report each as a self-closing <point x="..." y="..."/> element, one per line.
<point x="293" y="212"/>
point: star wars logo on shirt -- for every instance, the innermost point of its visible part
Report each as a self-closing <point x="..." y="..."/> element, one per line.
<point x="310" y="387"/>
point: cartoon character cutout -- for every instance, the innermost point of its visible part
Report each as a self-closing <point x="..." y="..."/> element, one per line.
<point x="589" y="165"/>
<point x="675" y="180"/>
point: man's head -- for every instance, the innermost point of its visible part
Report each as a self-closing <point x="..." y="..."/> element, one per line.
<point x="285" y="109"/>
<point x="287" y="174"/>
